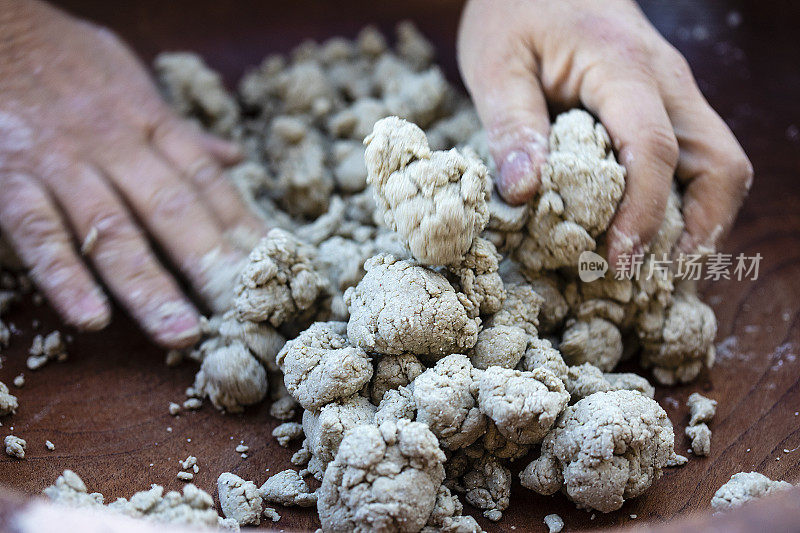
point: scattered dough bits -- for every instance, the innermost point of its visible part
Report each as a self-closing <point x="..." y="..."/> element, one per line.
<point x="45" y="349"/>
<point x="191" y="507"/>
<point x="15" y="446"/>
<point x="701" y="411"/>
<point x="8" y="402"/>
<point x="744" y="487"/>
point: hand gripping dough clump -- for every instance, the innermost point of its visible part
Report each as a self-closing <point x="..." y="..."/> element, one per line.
<point x="523" y="405"/>
<point x="231" y="377"/>
<point x="401" y="307"/>
<point x="279" y="283"/>
<point x="581" y="187"/>
<point x="604" y="449"/>
<point x="744" y="487"/>
<point x="383" y="479"/>
<point x="436" y="201"/>
<point x="239" y="499"/>
<point x="321" y="366"/>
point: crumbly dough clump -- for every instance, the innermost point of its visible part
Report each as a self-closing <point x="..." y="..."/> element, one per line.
<point x="606" y="448"/>
<point x="744" y="487"/>
<point x="436" y="201"/>
<point x="401" y="307"/>
<point x="383" y="479"/>
<point x="288" y="488"/>
<point x="15" y="446"/>
<point x="231" y="377"/>
<point x="523" y="405"/>
<point x="581" y="187"/>
<point x="8" y="402"/>
<point x="193" y="507"/>
<point x="701" y="409"/>
<point x="279" y="283"/>
<point x="239" y="499"/>
<point x="320" y="366"/>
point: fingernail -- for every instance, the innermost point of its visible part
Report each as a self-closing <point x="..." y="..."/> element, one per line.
<point x="175" y="323"/>
<point x="93" y="311"/>
<point x="517" y="178"/>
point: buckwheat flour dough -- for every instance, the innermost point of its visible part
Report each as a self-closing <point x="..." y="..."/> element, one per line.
<point x="744" y="487"/>
<point x="46" y="348"/>
<point x="196" y="91"/>
<point x="401" y="307"/>
<point x="288" y="488"/>
<point x="321" y="366"/>
<point x="15" y="446"/>
<point x="279" y="283"/>
<point x="8" y="402"/>
<point x="383" y="479"/>
<point x="701" y="409"/>
<point x="193" y="507"/>
<point x="606" y="448"/>
<point x="436" y="201"/>
<point x="231" y="378"/>
<point x="581" y="187"/>
<point x="701" y="439"/>
<point x="239" y="499"/>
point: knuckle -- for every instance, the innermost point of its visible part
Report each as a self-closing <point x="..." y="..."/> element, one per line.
<point x="660" y="143"/>
<point x="168" y="201"/>
<point x="114" y="225"/>
<point x="739" y="171"/>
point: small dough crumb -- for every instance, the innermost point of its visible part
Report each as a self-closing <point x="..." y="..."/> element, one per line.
<point x="15" y="446"/>
<point x="288" y="488"/>
<point x="185" y="476"/>
<point x="49" y="445"/>
<point x="701" y="409"/>
<point x="701" y="439"/>
<point x="19" y="381"/>
<point x="554" y="523"/>
<point x="744" y="487"/>
<point x="287" y="432"/>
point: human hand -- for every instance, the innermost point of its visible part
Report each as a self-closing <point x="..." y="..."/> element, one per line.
<point x="516" y="56"/>
<point x="88" y="149"/>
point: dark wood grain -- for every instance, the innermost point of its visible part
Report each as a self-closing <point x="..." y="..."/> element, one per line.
<point x="106" y="409"/>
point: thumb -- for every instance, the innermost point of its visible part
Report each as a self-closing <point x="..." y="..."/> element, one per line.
<point x="500" y="73"/>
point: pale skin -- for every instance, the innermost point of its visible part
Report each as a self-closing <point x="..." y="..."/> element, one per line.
<point x="87" y="146"/>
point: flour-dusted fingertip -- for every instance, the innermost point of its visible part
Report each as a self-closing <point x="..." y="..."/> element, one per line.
<point x="174" y="324"/>
<point x="519" y="177"/>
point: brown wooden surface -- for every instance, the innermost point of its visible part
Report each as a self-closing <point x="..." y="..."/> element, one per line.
<point x="106" y="409"/>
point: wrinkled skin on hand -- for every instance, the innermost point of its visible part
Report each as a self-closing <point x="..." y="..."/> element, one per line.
<point x="516" y="57"/>
<point x="83" y="135"/>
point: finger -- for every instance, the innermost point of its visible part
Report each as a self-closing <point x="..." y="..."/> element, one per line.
<point x="227" y="153"/>
<point x="632" y="111"/>
<point x="500" y="72"/>
<point x="711" y="161"/>
<point x="122" y="256"/>
<point x="174" y="215"/>
<point x="181" y="145"/>
<point x="35" y="229"/>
